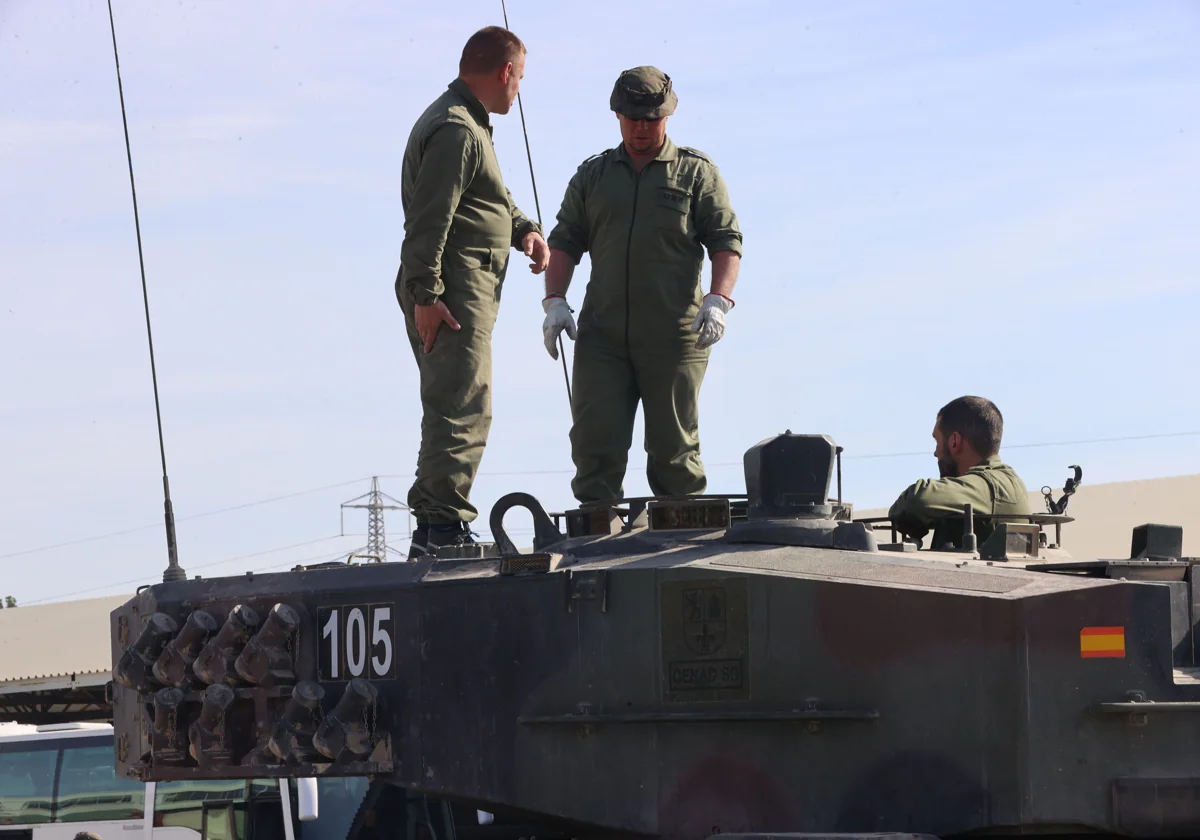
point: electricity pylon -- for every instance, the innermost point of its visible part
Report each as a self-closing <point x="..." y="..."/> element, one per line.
<point x="377" y="547"/>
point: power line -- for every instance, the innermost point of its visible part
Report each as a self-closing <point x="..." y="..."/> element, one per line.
<point x="1042" y="444"/>
<point x="141" y="579"/>
<point x="915" y="454"/>
<point x="927" y="452"/>
<point x="518" y="473"/>
<point x="230" y="509"/>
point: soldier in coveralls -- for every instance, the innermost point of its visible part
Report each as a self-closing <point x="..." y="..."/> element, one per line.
<point x="967" y="435"/>
<point x="459" y="223"/>
<point x="646" y="211"/>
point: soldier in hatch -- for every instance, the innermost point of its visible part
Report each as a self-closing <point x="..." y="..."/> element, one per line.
<point x="646" y="211"/>
<point x="459" y="223"/>
<point x="967" y="433"/>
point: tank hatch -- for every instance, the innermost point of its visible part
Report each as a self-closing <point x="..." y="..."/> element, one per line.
<point x="787" y="493"/>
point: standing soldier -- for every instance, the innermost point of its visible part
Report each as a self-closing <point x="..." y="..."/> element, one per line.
<point x="646" y="211"/>
<point x="459" y="223"/>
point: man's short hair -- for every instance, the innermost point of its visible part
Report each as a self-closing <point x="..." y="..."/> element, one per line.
<point x="489" y="49"/>
<point x="976" y="419"/>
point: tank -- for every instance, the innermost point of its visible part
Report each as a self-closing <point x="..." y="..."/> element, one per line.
<point x="760" y="663"/>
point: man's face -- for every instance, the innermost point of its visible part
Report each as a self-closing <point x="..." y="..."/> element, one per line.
<point x="511" y="77"/>
<point x="643" y="136"/>
<point x="944" y="452"/>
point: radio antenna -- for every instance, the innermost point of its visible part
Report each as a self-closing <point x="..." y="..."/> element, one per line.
<point x="173" y="571"/>
<point x="562" y="353"/>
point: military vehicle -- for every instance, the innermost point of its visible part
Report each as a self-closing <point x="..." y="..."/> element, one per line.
<point x="683" y="667"/>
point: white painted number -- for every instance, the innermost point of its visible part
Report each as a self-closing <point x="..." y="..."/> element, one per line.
<point x="356" y="642"/>
<point x="379" y="636"/>
<point x="343" y="660"/>
<point x="330" y="631"/>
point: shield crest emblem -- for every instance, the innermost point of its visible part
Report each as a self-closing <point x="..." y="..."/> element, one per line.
<point x="704" y="619"/>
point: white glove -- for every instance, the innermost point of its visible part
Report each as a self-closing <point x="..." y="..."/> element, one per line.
<point x="710" y="320"/>
<point x="558" y="318"/>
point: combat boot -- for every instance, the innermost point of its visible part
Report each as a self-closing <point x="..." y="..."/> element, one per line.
<point x="427" y="539"/>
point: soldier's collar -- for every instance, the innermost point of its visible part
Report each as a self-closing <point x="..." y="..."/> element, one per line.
<point x="988" y="463"/>
<point x="474" y="106"/>
<point x="666" y="153"/>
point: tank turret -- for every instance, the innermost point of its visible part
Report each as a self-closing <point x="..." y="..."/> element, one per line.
<point x="684" y="667"/>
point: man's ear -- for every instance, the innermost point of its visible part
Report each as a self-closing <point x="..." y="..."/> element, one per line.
<point x="954" y="443"/>
<point x="506" y="73"/>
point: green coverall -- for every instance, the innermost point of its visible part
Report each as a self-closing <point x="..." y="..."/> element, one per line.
<point x="937" y="503"/>
<point x="646" y="233"/>
<point x="459" y="224"/>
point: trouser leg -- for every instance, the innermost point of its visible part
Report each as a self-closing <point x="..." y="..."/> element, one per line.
<point x="456" y="402"/>
<point x="603" y="405"/>
<point x="669" y="383"/>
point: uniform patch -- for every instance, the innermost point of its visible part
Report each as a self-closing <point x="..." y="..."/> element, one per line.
<point x="1102" y="643"/>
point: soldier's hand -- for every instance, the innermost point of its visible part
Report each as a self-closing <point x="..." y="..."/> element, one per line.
<point x="429" y="319"/>
<point x="558" y="318"/>
<point x="536" y="249"/>
<point x="710" y="320"/>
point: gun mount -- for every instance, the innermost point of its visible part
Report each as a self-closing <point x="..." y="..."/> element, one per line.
<point x="682" y="667"/>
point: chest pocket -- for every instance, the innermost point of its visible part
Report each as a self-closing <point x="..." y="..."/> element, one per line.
<point x="674" y="206"/>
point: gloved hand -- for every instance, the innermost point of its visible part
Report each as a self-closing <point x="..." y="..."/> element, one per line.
<point x="710" y="320"/>
<point x="558" y="318"/>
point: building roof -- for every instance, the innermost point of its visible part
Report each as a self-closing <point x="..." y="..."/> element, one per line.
<point x="55" y="646"/>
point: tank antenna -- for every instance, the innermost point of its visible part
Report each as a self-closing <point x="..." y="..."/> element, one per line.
<point x="562" y="352"/>
<point x="173" y="570"/>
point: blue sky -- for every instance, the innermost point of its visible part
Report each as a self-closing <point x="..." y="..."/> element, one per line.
<point x="937" y="198"/>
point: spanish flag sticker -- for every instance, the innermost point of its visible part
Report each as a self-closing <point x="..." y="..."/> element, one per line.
<point x="1102" y="642"/>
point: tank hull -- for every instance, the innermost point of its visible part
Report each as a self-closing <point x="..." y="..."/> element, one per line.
<point x="679" y="685"/>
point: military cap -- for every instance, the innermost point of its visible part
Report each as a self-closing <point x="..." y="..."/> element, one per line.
<point x="643" y="93"/>
<point x="87" y="835"/>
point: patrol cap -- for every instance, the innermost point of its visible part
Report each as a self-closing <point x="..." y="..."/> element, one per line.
<point x="643" y="93"/>
<point x="87" y="835"/>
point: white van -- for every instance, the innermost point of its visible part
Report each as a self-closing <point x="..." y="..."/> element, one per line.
<point x="57" y="780"/>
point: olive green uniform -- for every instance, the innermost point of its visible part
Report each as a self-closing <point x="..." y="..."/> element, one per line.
<point x="991" y="487"/>
<point x="459" y="224"/>
<point x="647" y="234"/>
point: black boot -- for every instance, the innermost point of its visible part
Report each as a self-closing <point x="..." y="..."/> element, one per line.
<point x="427" y="538"/>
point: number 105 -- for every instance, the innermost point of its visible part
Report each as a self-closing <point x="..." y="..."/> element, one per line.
<point x="357" y="641"/>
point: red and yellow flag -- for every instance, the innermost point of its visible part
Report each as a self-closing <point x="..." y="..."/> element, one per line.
<point x="1102" y="642"/>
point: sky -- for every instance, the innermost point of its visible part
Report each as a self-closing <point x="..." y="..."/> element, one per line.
<point x="937" y="199"/>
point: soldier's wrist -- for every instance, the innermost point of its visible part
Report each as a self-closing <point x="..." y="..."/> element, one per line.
<point x="552" y="300"/>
